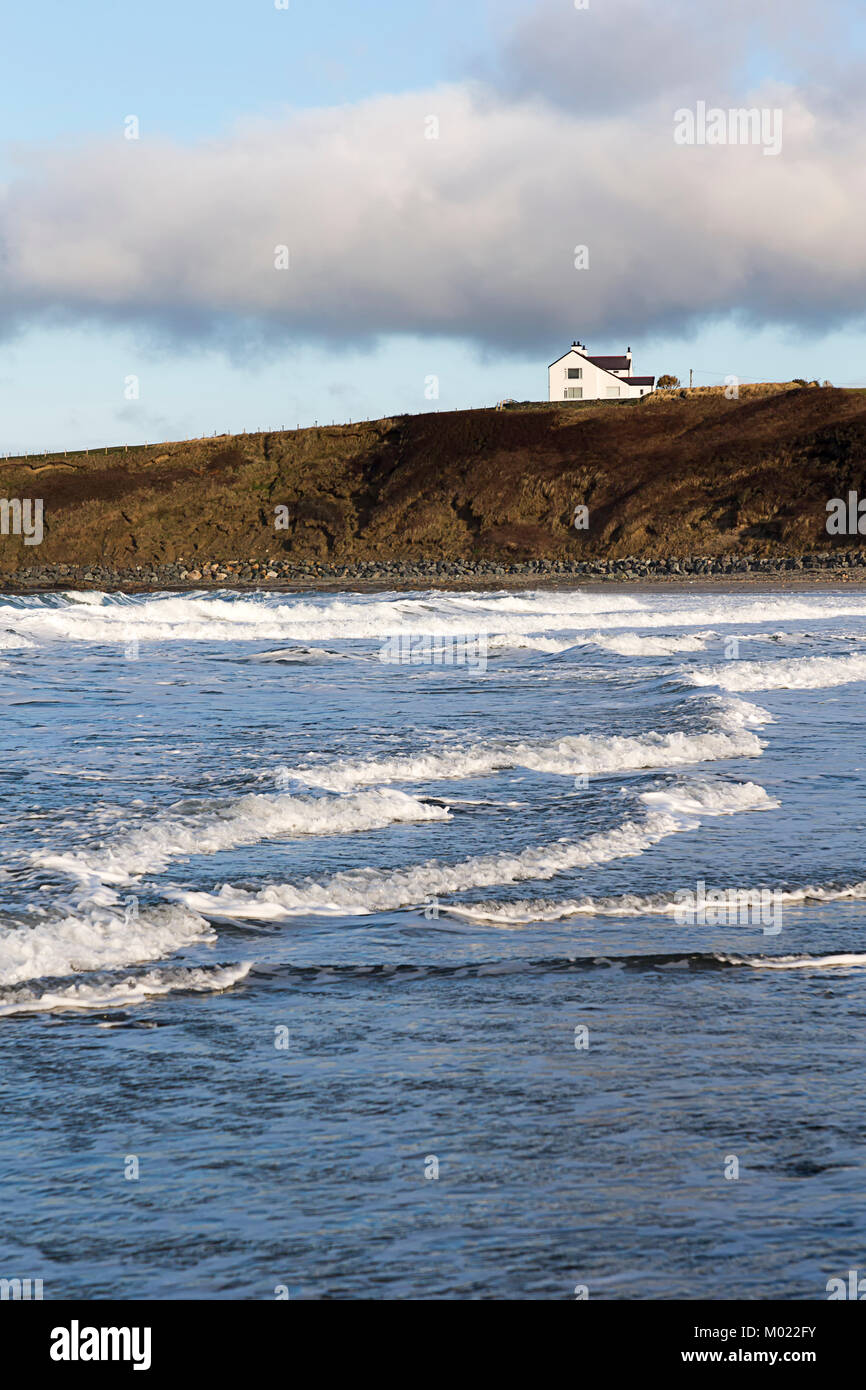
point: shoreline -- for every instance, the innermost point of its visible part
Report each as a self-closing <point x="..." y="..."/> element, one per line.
<point x="701" y="572"/>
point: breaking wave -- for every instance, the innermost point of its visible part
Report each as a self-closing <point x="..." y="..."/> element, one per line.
<point x="247" y="821"/>
<point x="96" y="939"/>
<point x="218" y="617"/>
<point x="362" y="891"/>
<point x="569" y="756"/>
<point x="803" y="673"/>
<point x="116" y="994"/>
<point x="524" y="913"/>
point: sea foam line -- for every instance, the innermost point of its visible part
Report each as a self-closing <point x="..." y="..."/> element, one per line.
<point x="358" y="892"/>
<point x="569" y="756"/>
<point x="222" y="617"/>
<point x="96" y="939"/>
<point x="803" y="673"/>
<point x="248" y="821"/>
<point x="121" y="993"/>
<point x="527" y="911"/>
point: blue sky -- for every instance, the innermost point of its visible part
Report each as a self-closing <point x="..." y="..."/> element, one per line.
<point x="196" y="74"/>
<point x="190" y="69"/>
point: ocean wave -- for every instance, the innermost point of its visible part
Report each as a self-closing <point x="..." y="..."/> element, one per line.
<point x="665" y="904"/>
<point x="803" y="673"/>
<point x="633" y="644"/>
<point x="697" y="961"/>
<point x="301" y="655"/>
<point x="247" y="821"/>
<point x="522" y="641"/>
<point x="845" y="959"/>
<point x="622" y="644"/>
<point x="96" y="939"/>
<point x="134" y="989"/>
<point x="569" y="756"/>
<point x="223" y="616"/>
<point x="359" y="892"/>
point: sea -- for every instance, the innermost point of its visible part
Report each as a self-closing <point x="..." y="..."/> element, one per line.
<point x="433" y="945"/>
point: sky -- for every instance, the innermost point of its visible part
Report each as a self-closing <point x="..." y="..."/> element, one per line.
<point x="331" y="211"/>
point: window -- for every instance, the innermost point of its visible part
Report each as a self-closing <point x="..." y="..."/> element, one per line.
<point x="574" y="373"/>
<point x="573" y="393"/>
<point x="613" y="390"/>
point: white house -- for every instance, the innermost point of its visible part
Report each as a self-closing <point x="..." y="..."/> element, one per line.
<point x="578" y="377"/>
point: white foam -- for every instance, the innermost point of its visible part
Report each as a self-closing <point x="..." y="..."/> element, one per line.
<point x="633" y="644"/>
<point x="804" y="673"/>
<point x="709" y="798"/>
<point x="132" y="990"/>
<point x="841" y="961"/>
<point x="736" y="611"/>
<point x="523" y="913"/>
<point x="217" y="617"/>
<point x="247" y="821"/>
<point x="731" y="713"/>
<point x="623" y="644"/>
<point x="221" y="617"/>
<point x="96" y="939"/>
<point x="569" y="756"/>
<point x="300" y="654"/>
<point x="521" y="641"/>
<point x="363" y="891"/>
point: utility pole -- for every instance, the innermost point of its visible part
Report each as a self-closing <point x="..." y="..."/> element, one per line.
<point x="691" y="377"/>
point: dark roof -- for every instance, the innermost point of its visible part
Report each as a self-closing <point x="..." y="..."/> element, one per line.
<point x="574" y="348"/>
<point x="612" y="364"/>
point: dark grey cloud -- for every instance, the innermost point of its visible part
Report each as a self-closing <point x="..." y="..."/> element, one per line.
<point x="618" y="55"/>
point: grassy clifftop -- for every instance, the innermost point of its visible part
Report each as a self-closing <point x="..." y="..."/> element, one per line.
<point x="682" y="476"/>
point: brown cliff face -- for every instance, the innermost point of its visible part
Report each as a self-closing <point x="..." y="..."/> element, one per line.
<point x="671" y="476"/>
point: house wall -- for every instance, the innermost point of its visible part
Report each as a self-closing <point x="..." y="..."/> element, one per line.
<point x="597" y="385"/>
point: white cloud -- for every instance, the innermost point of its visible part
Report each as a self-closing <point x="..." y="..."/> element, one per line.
<point x="472" y="234"/>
